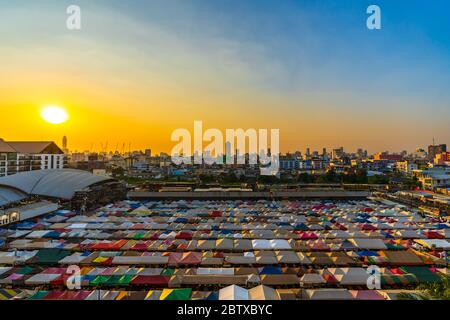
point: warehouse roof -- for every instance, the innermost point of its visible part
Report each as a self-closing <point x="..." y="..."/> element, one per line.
<point x="52" y="183"/>
<point x="9" y="195"/>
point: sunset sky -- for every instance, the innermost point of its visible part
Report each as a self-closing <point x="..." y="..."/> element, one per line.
<point x="140" y="69"/>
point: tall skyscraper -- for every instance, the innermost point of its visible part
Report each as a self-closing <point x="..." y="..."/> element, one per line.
<point x="64" y="144"/>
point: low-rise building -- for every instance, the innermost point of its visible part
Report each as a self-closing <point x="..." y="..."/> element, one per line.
<point x="407" y="166"/>
<point x="434" y="177"/>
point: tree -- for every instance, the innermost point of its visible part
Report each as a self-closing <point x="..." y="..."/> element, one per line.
<point x="117" y="172"/>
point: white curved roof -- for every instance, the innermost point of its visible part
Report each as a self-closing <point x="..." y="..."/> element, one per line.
<point x="9" y="195"/>
<point x="61" y="183"/>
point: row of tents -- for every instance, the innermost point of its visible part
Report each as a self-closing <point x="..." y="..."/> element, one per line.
<point x="238" y="245"/>
<point x="232" y="292"/>
<point x="161" y="277"/>
<point x="216" y="258"/>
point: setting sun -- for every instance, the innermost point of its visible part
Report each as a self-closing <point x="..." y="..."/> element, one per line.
<point x="54" y="115"/>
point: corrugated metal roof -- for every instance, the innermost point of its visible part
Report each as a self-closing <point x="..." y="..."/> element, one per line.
<point x="52" y="183"/>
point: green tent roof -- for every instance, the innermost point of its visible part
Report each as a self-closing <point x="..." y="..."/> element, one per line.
<point x="179" y="294"/>
<point x="50" y="256"/>
<point x="423" y="274"/>
<point x="168" y="272"/>
<point x="99" y="280"/>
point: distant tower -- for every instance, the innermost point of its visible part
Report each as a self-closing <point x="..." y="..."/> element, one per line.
<point x="64" y="144"/>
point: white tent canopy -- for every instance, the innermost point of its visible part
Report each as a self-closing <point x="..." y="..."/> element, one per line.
<point x="233" y="292"/>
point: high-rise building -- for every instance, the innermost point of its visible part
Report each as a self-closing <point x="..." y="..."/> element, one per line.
<point x="337" y="153"/>
<point x="433" y="150"/>
<point x="64" y="145"/>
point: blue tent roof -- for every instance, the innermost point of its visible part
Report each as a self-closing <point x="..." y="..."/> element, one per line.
<point x="367" y="253"/>
<point x="212" y="296"/>
<point x="270" y="270"/>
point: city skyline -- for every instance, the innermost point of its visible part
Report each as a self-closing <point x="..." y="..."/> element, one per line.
<point x="312" y="69"/>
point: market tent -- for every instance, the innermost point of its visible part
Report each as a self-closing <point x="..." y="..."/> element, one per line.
<point x="4" y="270"/>
<point x="233" y="292"/>
<point x="406" y="257"/>
<point x="392" y="294"/>
<point x="312" y="279"/>
<point x="265" y="257"/>
<point x="367" y="295"/>
<point x="423" y="274"/>
<point x="262" y="292"/>
<point x="102" y="295"/>
<point x="242" y="259"/>
<point x="206" y="245"/>
<point x="279" y="279"/>
<point x="204" y="295"/>
<point x="246" y="271"/>
<point x="242" y="245"/>
<point x="214" y="279"/>
<point x="287" y="294"/>
<point x="280" y="244"/>
<point x="328" y="294"/>
<point x="215" y="271"/>
<point x="370" y="244"/>
<point x="50" y="256"/>
<point x="434" y="243"/>
<point x="133" y="295"/>
<point x="141" y="210"/>
<point x="176" y="294"/>
<point x="42" y="278"/>
<point x="8" y="294"/>
<point x="191" y="258"/>
<point x="350" y="276"/>
<point x="140" y="260"/>
<point x="287" y="257"/>
<point x="224" y="244"/>
<point x="75" y="258"/>
<point x="160" y="281"/>
<point x="153" y="295"/>
<point x="261" y="244"/>
<point x="39" y="295"/>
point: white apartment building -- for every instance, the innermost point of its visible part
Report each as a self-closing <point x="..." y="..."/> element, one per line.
<point x="21" y="156"/>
